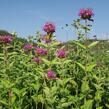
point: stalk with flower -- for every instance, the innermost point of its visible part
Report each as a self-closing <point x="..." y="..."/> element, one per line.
<point x="49" y="28"/>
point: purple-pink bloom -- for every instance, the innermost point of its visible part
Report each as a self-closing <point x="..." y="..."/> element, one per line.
<point x="86" y="13"/>
<point x="61" y="53"/>
<point x="28" y="47"/>
<point x="6" y="39"/>
<point x="51" y="74"/>
<point x="37" y="60"/>
<point x="41" y="51"/>
<point x="49" y="27"/>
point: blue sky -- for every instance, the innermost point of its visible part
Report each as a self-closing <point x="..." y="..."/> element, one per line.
<point x="28" y="16"/>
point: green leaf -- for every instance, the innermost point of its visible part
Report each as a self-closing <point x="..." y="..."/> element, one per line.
<point x="80" y="65"/>
<point x="16" y="91"/>
<point x="93" y="44"/>
<point x="53" y="90"/>
<point x="107" y="105"/>
<point x="73" y="83"/>
<point x="59" y="82"/>
<point x="3" y="102"/>
<point x="85" y="86"/>
<point x="38" y="98"/>
<point x="5" y="83"/>
<point x="1" y="54"/>
<point x="55" y="44"/>
<point x="46" y="61"/>
<point x="90" y="67"/>
<point x="11" y="65"/>
<point x="55" y="62"/>
<point x="2" y="58"/>
<point x="79" y="44"/>
<point x="98" y="95"/>
<point x="13" y="53"/>
<point x="42" y="44"/>
<point x="13" y="99"/>
<point x="66" y="80"/>
<point x="87" y="105"/>
<point x="47" y="91"/>
<point x="99" y="107"/>
<point x="67" y="61"/>
<point x="66" y="104"/>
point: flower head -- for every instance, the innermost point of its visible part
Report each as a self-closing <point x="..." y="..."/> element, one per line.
<point x="28" y="47"/>
<point x="61" y="53"/>
<point x="51" y="74"/>
<point x="49" y="27"/>
<point x="6" y="39"/>
<point x="41" y="51"/>
<point x="86" y="13"/>
<point x="37" y="60"/>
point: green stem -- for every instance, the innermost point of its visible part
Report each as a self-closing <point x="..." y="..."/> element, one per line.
<point x="86" y="51"/>
<point x="5" y="52"/>
<point x="86" y="29"/>
<point x="10" y="98"/>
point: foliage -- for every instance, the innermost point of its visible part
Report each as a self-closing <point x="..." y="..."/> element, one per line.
<point x="76" y="79"/>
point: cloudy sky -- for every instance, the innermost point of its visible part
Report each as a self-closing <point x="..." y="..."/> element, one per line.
<point x="28" y="16"/>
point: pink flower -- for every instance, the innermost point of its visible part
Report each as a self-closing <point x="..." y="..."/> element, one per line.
<point x="61" y="53"/>
<point x="41" y="51"/>
<point x="37" y="60"/>
<point x="86" y="13"/>
<point x="28" y="47"/>
<point x="49" y="27"/>
<point x="51" y="74"/>
<point x="6" y="39"/>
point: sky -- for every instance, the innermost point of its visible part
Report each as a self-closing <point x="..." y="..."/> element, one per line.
<point x="28" y="16"/>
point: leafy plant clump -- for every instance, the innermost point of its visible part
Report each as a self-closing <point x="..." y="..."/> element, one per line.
<point x="43" y="73"/>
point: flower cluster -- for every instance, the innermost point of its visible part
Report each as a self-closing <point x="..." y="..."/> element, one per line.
<point x="51" y="74"/>
<point x="61" y="53"/>
<point x="6" y="39"/>
<point x="41" y="51"/>
<point x="49" y="27"/>
<point x="27" y="47"/>
<point x="86" y="13"/>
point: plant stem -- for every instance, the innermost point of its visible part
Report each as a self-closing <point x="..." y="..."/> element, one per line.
<point x="5" y="52"/>
<point x="85" y="41"/>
